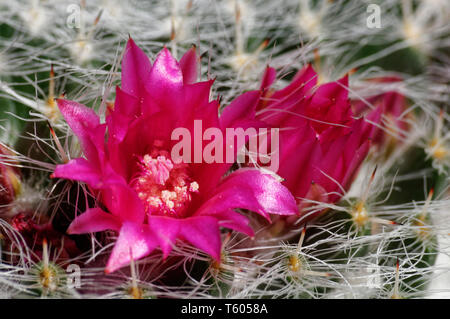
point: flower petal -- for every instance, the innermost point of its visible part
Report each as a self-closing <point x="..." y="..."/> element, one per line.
<point x="329" y="107"/>
<point x="85" y="123"/>
<point x="355" y="163"/>
<point x="242" y="108"/>
<point x="299" y="155"/>
<point x="79" y="169"/>
<point x="234" y="220"/>
<point x="203" y="232"/>
<point x="167" y="230"/>
<point x="303" y="82"/>
<point x="135" y="241"/>
<point x="135" y="69"/>
<point x="123" y="201"/>
<point x="166" y="77"/>
<point x="93" y="220"/>
<point x="189" y="66"/>
<point x="268" y="78"/>
<point x="126" y="109"/>
<point x="250" y="189"/>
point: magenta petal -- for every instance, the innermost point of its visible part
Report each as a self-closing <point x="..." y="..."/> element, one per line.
<point x="372" y="124"/>
<point x="165" y="75"/>
<point x="354" y="164"/>
<point x="135" y="69"/>
<point x="135" y="241"/>
<point x="303" y="81"/>
<point x="240" y="113"/>
<point x="279" y="107"/>
<point x="299" y="155"/>
<point x="203" y="232"/>
<point x="242" y="108"/>
<point x="355" y="139"/>
<point x="122" y="201"/>
<point x="197" y="94"/>
<point x="250" y="189"/>
<point x="269" y="193"/>
<point x="329" y="107"/>
<point x="167" y="230"/>
<point x="196" y="106"/>
<point x="126" y="109"/>
<point x="189" y="66"/>
<point x="85" y="123"/>
<point x="268" y="78"/>
<point x="232" y="197"/>
<point x="334" y="90"/>
<point x="93" y="220"/>
<point x="165" y="87"/>
<point x="79" y="169"/>
<point x="236" y="221"/>
<point x="330" y="160"/>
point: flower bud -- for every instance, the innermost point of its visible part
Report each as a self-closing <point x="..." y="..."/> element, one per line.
<point x="10" y="186"/>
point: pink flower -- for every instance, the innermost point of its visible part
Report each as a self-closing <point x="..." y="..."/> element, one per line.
<point x="321" y="144"/>
<point x="149" y="199"/>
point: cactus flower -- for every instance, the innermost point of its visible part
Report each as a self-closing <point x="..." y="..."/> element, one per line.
<point x="149" y="198"/>
<point x="321" y="143"/>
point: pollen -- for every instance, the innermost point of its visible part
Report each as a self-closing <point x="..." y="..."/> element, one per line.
<point x="165" y="187"/>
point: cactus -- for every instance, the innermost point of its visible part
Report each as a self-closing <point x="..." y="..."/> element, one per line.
<point x="94" y="205"/>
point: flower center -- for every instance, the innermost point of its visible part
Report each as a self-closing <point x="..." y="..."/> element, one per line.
<point x="163" y="186"/>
